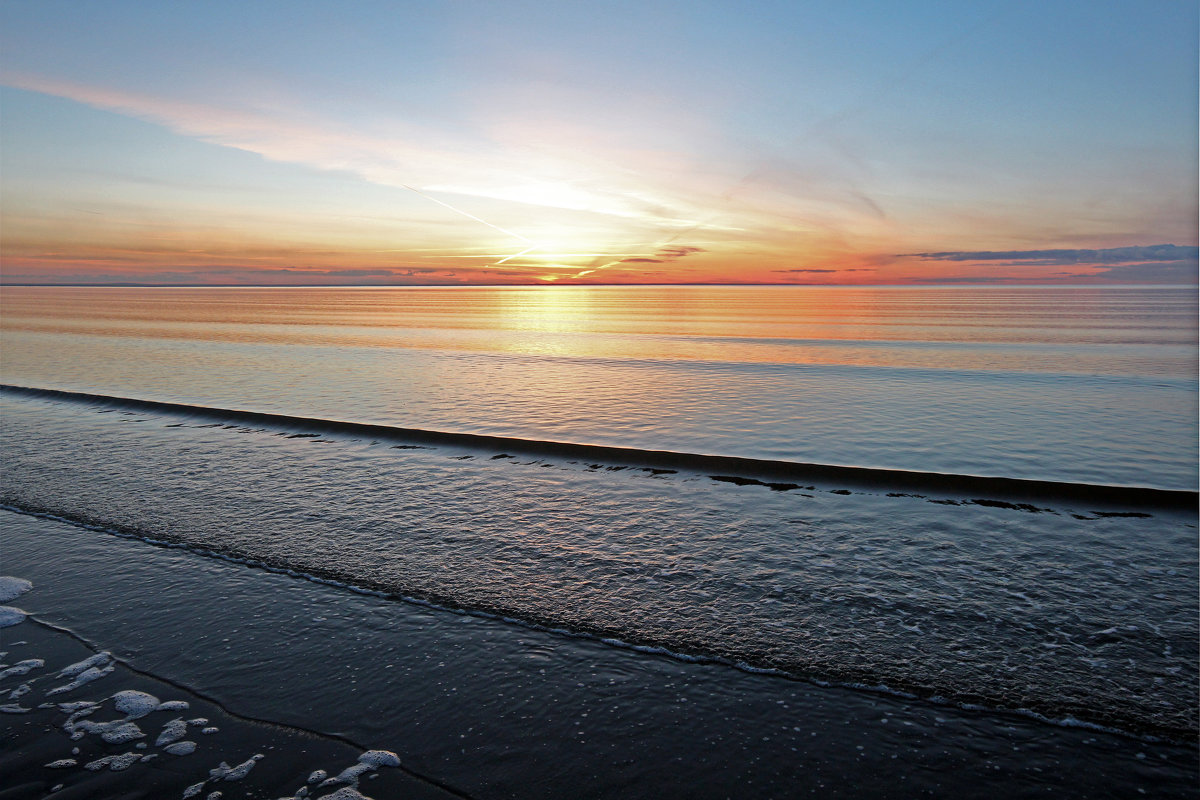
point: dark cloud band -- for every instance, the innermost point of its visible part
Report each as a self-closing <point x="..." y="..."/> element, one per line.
<point x="1111" y="255"/>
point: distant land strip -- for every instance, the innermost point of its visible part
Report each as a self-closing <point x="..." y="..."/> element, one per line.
<point x="718" y="467"/>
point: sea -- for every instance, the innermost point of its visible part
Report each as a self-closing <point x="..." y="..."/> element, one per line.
<point x="616" y="541"/>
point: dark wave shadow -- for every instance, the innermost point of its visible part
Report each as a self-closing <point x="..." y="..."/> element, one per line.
<point x="733" y="469"/>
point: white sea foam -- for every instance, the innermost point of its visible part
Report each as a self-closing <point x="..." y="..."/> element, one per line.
<point x="367" y="762"/>
<point x="87" y="676"/>
<point x="98" y="660"/>
<point x="380" y="758"/>
<point x="12" y="588"/>
<point x="115" y="763"/>
<point x="117" y="731"/>
<point x="71" y="726"/>
<point x="172" y="731"/>
<point x="122" y="732"/>
<point x="78" y="705"/>
<point x="350" y="774"/>
<point x="346" y="793"/>
<point x="10" y="616"/>
<point x="22" y="668"/>
<point x="133" y="704"/>
<point x="224" y="772"/>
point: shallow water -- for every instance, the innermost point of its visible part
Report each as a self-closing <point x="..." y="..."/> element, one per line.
<point x="496" y="710"/>
<point x="1066" y="612"/>
<point x="1077" y="384"/>
<point x="975" y="644"/>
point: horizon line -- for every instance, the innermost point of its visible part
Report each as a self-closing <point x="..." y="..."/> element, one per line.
<point x="551" y="284"/>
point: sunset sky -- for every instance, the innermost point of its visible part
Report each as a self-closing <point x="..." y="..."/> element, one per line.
<point x="612" y="142"/>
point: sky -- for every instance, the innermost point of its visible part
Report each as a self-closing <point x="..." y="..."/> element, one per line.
<point x="463" y="142"/>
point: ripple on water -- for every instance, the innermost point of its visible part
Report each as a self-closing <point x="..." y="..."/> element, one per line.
<point x="1061" y="613"/>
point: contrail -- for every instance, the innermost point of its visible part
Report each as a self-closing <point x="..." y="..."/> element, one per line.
<point x="514" y="255"/>
<point x="590" y="270"/>
<point x="468" y="215"/>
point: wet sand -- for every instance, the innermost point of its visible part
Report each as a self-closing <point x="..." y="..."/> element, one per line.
<point x="183" y="744"/>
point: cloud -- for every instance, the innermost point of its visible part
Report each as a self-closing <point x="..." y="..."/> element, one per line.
<point x="851" y="269"/>
<point x="1169" y="272"/>
<point x="1151" y="272"/>
<point x="674" y="252"/>
<point x="332" y="273"/>
<point x="199" y="275"/>
<point x="972" y="279"/>
<point x="609" y="191"/>
<point x="404" y="155"/>
<point x="362" y="273"/>
<point x="664" y="255"/>
<point x="1111" y="255"/>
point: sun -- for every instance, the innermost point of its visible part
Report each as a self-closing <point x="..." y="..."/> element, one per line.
<point x="560" y="248"/>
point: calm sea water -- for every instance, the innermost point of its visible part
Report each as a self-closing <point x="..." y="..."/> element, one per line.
<point x="1074" y="384"/>
<point x="1064" y="610"/>
<point x="964" y="612"/>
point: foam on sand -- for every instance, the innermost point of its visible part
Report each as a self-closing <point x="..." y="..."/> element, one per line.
<point x="89" y="674"/>
<point x="10" y="616"/>
<point x="115" y="763"/>
<point x="367" y="762"/>
<point x="12" y="588"/>
<point x="135" y="705"/>
<point x="102" y="723"/>
<point x="98" y="660"/>
<point x="22" y="667"/>
<point x="172" y="732"/>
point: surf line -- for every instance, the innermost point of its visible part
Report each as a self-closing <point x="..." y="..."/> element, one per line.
<point x="1151" y="734"/>
<point x="717" y="466"/>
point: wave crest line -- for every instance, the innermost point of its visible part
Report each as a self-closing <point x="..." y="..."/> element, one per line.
<point x="723" y="465"/>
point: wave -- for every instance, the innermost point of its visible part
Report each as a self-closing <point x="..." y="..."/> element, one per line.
<point x="736" y="469"/>
<point x="1145" y="732"/>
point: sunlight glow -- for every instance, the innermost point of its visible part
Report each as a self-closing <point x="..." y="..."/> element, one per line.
<point x="669" y="164"/>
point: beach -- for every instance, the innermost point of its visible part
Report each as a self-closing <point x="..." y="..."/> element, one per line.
<point x="599" y="401"/>
<point x="482" y="707"/>
<point x="133" y="735"/>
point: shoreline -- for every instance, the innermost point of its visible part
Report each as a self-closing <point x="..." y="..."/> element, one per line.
<point x="1172" y="737"/>
<point x="47" y="752"/>
<point x="500" y="711"/>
